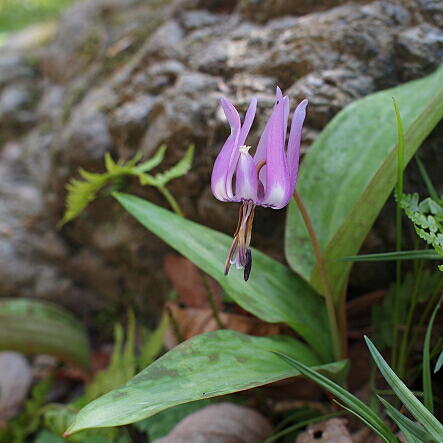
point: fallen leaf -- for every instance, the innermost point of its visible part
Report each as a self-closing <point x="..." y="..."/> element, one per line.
<point x="191" y="284"/>
<point x="220" y="423"/>
<point x="15" y="381"/>
<point x="193" y="321"/>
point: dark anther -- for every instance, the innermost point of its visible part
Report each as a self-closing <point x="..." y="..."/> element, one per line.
<point x="248" y="265"/>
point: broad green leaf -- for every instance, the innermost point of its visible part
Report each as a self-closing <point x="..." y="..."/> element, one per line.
<point x="352" y="403"/>
<point x="272" y="293"/>
<point x="415" y="407"/>
<point x="37" y="327"/>
<point x="405" y="424"/>
<point x="350" y="171"/>
<point x="428" y="398"/>
<point x="207" y="365"/>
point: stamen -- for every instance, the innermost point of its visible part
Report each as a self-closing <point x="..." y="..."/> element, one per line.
<point x="239" y="252"/>
<point x="260" y="165"/>
<point x="248" y="265"/>
<point x="244" y="149"/>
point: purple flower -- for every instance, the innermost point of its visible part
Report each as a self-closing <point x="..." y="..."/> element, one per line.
<point x="266" y="179"/>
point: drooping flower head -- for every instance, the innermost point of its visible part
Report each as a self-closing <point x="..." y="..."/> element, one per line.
<point x="267" y="178"/>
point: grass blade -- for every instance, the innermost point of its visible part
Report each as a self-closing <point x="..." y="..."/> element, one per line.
<point x="424" y="175"/>
<point x="439" y="363"/>
<point x="427" y="383"/>
<point x="415" y="407"/>
<point x="426" y="254"/>
<point x="354" y="405"/>
<point x="405" y="424"/>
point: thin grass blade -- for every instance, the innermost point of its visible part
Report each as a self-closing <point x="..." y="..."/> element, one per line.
<point x="419" y="254"/>
<point x="405" y="424"/>
<point x="439" y="363"/>
<point x="426" y="371"/>
<point x="424" y="175"/>
<point x="415" y="407"/>
<point x="355" y="405"/>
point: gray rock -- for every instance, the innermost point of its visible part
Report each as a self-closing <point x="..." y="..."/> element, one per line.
<point x="165" y="40"/>
<point x="15" y="107"/>
<point x="13" y="66"/>
<point x="128" y="121"/>
<point x="419" y="51"/>
<point x="263" y="10"/>
<point x="192" y="20"/>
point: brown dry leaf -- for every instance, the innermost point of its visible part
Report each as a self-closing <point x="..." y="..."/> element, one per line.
<point x="330" y="431"/>
<point x="192" y="321"/>
<point x="365" y="435"/>
<point x="15" y="380"/>
<point x="221" y="423"/>
<point x="189" y="283"/>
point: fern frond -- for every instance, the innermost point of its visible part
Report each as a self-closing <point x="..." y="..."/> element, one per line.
<point x="427" y="217"/>
<point x="83" y="192"/>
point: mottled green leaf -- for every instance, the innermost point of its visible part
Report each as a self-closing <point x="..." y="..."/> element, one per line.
<point x="207" y="365"/>
<point x="37" y="327"/>
<point x="350" y="171"/>
<point x="273" y="293"/>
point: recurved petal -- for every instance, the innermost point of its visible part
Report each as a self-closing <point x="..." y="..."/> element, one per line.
<point x="246" y="181"/>
<point x="262" y="147"/>
<point x="247" y="123"/>
<point x="221" y="179"/>
<point x="220" y="171"/>
<point x="293" y="153"/>
<point x="277" y="188"/>
<point x="234" y="121"/>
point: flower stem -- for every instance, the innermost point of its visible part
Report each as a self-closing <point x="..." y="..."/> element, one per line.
<point x="171" y="200"/>
<point x="211" y="300"/>
<point x="330" y="307"/>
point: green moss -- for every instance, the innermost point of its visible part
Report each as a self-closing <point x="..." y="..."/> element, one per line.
<point x="17" y="14"/>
